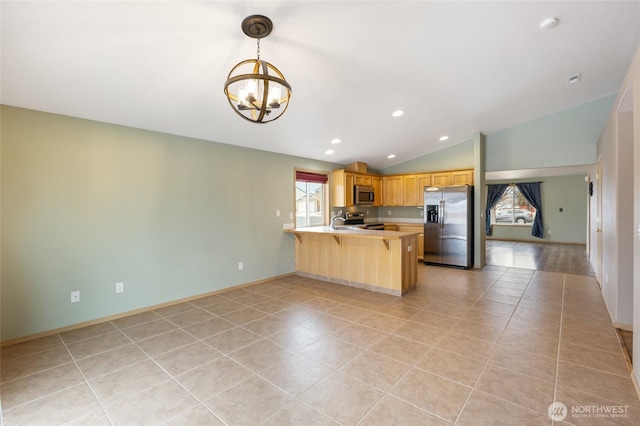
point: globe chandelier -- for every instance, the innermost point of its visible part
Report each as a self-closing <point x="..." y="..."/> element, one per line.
<point x="256" y="90"/>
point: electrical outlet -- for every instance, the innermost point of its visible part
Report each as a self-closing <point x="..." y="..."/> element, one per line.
<point x="75" y="296"/>
<point x="410" y="248"/>
<point x="277" y="213"/>
<point x="119" y="287"/>
<point x="389" y="212"/>
<point x="240" y="266"/>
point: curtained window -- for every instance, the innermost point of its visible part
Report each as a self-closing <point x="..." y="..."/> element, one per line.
<point x="494" y="193"/>
<point x="531" y="191"/>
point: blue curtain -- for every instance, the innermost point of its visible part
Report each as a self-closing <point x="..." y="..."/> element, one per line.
<point x="531" y="191"/>
<point x="494" y="192"/>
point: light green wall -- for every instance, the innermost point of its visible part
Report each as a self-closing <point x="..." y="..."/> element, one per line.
<point x="567" y="138"/>
<point x="570" y="226"/>
<point x="88" y="204"/>
<point x="456" y="157"/>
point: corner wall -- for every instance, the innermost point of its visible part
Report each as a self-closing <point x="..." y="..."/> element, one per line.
<point x="616" y="152"/>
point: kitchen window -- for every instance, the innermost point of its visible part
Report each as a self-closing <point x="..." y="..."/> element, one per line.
<point x="311" y="207"/>
<point x="513" y="209"/>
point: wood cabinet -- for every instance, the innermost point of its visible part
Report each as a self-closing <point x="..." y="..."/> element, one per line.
<point x="441" y="179"/>
<point x="392" y="190"/>
<point x="390" y="227"/>
<point x="372" y="260"/>
<point x="342" y="183"/>
<point x="458" y="177"/>
<point x="462" y="177"/>
<point x="410" y="190"/>
<point x="414" y="228"/>
<point x="363" y="179"/>
<point x="376" y="182"/>
<point x="423" y="180"/>
<point x="342" y="188"/>
<point x="413" y="189"/>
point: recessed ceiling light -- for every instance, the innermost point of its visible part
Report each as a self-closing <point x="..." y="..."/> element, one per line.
<point x="391" y="156"/>
<point x="335" y="141"/>
<point x="329" y="152"/>
<point x="397" y="113"/>
<point x="548" y="23"/>
<point x="444" y="138"/>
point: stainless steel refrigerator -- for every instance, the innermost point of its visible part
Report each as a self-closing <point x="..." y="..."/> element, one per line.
<point x="448" y="225"/>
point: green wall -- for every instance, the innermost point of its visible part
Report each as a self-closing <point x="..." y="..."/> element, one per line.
<point x="567" y="138"/>
<point x="88" y="204"/>
<point x="568" y="226"/>
<point x="456" y="157"/>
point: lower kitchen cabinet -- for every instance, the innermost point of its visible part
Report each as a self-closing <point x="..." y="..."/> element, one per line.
<point x="414" y="228"/>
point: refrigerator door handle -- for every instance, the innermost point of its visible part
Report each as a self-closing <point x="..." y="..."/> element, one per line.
<point x="441" y="217"/>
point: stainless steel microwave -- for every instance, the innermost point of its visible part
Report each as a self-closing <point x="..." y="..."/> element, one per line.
<point x="363" y="195"/>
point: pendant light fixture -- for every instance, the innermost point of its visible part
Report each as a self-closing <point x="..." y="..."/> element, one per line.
<point x="256" y="90"/>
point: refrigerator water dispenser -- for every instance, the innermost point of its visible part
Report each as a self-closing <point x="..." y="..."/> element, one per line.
<point x="432" y="213"/>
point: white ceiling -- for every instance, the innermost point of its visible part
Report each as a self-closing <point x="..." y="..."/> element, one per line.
<point x="455" y="68"/>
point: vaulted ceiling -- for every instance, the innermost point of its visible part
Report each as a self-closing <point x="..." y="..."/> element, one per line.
<point x="454" y="68"/>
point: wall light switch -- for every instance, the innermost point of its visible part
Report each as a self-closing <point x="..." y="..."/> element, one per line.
<point x="75" y="296"/>
<point x="120" y="287"/>
<point x="277" y="213"/>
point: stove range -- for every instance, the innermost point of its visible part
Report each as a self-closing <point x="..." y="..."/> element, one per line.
<point x="357" y="218"/>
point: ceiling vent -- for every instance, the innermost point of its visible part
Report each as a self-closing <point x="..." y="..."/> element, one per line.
<point x="574" y="79"/>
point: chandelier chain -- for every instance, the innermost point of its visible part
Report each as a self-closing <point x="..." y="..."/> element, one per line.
<point x="258" y="42"/>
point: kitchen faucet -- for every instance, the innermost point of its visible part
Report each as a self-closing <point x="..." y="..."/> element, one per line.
<point x="332" y="225"/>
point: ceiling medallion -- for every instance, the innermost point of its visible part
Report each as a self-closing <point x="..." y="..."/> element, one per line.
<point x="256" y="90"/>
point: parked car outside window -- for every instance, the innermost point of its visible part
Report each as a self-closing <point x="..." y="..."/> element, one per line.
<point x="514" y="216"/>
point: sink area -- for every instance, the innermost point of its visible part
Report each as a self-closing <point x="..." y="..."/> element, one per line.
<point x="349" y="227"/>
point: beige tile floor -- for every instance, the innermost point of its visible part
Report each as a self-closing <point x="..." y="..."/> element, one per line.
<point x="490" y="346"/>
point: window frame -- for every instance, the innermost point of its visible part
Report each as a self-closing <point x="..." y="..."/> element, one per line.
<point x="514" y="200"/>
<point x="325" y="197"/>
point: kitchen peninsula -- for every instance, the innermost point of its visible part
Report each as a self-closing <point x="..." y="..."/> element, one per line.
<point x="381" y="261"/>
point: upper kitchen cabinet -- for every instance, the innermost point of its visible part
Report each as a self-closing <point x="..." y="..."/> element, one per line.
<point x="410" y="190"/>
<point x="376" y="182"/>
<point x="423" y="181"/>
<point x="413" y="189"/>
<point x="458" y="177"/>
<point x="363" y="179"/>
<point x="392" y="190"/>
<point x="342" y="183"/>
<point x="462" y="177"/>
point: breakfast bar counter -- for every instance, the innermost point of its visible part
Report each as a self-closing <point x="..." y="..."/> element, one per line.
<point x="382" y="261"/>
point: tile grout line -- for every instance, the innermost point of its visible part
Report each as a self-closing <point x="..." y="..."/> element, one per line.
<point x="171" y="377"/>
<point x="473" y="388"/>
<point x="86" y="381"/>
<point x="555" y="387"/>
